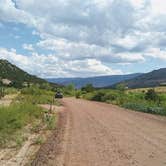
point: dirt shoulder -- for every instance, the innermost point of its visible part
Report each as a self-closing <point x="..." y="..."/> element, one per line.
<point x="50" y="152"/>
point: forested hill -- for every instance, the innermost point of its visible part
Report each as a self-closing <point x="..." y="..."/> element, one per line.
<point x="151" y="79"/>
<point x="17" y="77"/>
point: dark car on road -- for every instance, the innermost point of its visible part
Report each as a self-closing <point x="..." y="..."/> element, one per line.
<point x="59" y="95"/>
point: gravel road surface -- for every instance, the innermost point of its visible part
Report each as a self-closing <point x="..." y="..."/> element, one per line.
<point x="99" y="134"/>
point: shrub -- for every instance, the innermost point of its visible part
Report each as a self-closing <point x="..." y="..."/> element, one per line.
<point x="33" y="90"/>
<point x="36" y="95"/>
<point x="151" y="95"/>
<point x="78" y="94"/>
<point x="142" y="107"/>
<point x="69" y="90"/>
<point x="149" y="102"/>
<point x="135" y="106"/>
<point x="111" y="96"/>
<point x="121" y="87"/>
<point x="88" y="88"/>
<point x="98" y="96"/>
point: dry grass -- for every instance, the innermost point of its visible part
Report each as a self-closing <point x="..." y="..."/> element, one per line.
<point x="161" y="89"/>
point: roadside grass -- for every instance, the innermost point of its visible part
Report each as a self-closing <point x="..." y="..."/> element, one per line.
<point x="14" y="118"/>
<point x="23" y="111"/>
<point x="35" y="95"/>
<point x="35" y="99"/>
<point x="160" y="89"/>
<point x="11" y="90"/>
<point x="50" y="120"/>
<point x="130" y="99"/>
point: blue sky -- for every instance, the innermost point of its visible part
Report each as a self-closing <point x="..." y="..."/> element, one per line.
<point x="75" y="38"/>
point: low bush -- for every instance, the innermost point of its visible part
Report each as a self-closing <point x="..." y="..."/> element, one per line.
<point x="35" y="95"/>
<point x="151" y="95"/>
<point x="150" y="102"/>
<point x="78" y="94"/>
<point x="145" y="108"/>
<point x="98" y="96"/>
<point x="136" y="106"/>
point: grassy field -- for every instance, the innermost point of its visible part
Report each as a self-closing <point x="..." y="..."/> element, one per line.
<point x="14" y="118"/>
<point x="161" y="89"/>
<point x="23" y="111"/>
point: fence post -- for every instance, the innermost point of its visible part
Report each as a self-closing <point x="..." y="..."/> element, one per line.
<point x="51" y="105"/>
<point x="2" y="92"/>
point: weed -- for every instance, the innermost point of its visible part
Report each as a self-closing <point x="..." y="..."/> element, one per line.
<point x="39" y="140"/>
<point x="50" y="121"/>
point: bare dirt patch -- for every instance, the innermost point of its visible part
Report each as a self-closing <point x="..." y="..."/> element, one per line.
<point x="51" y="152"/>
<point x="7" y="100"/>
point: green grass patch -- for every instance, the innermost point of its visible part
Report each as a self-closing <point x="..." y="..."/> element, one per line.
<point x="36" y="95"/>
<point x="11" y="90"/>
<point x="148" y="102"/>
<point x="15" y="117"/>
<point x="23" y="111"/>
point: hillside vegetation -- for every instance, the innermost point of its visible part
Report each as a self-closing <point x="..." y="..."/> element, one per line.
<point x="151" y="79"/>
<point x="11" y="75"/>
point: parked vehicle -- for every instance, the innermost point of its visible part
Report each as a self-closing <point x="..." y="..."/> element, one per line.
<point x="59" y="95"/>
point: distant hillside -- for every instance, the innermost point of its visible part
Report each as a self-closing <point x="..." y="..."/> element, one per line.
<point x="17" y="77"/>
<point x="151" y="79"/>
<point x="100" y="81"/>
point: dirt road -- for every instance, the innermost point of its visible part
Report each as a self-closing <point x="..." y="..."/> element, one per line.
<point x="99" y="134"/>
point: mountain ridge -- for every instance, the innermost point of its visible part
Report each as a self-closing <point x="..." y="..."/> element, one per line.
<point x="98" y="81"/>
<point x="15" y="76"/>
<point x="150" y="79"/>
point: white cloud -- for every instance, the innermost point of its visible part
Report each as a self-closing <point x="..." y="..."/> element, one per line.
<point x="78" y="51"/>
<point x="100" y="31"/>
<point x="127" y="42"/>
<point x="158" y="6"/>
<point x="8" y="12"/>
<point x="51" y="66"/>
<point x="131" y="57"/>
<point x="28" y="47"/>
<point x="156" y="53"/>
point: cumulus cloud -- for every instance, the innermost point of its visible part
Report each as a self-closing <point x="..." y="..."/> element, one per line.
<point x="156" y="53"/>
<point x="28" y="47"/>
<point x="9" y="13"/>
<point x="77" y="51"/>
<point x="91" y="32"/>
<point x="51" y="66"/>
